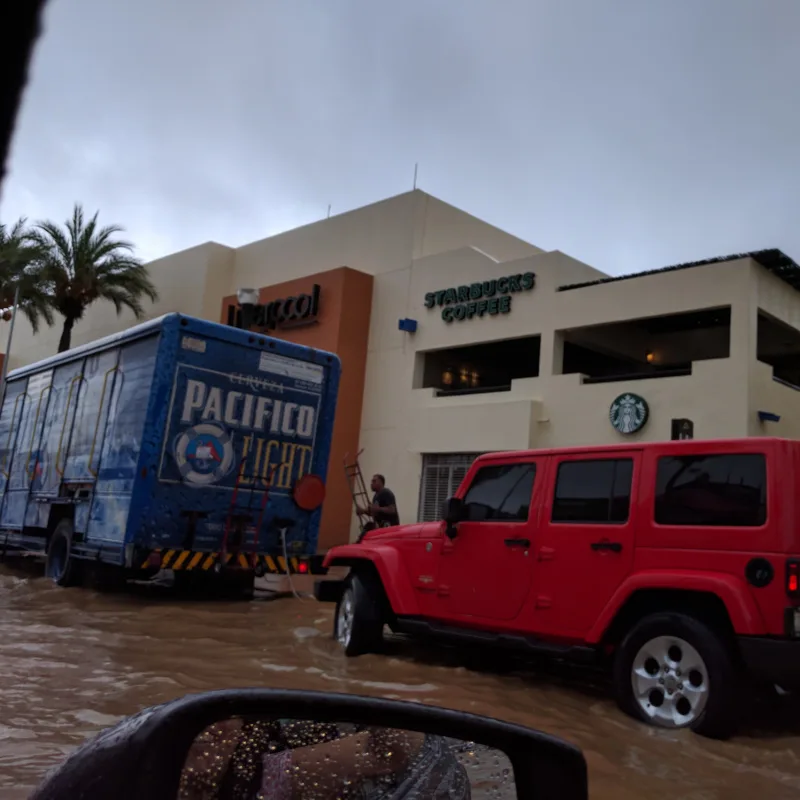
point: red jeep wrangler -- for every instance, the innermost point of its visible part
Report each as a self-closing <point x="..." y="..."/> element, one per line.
<point x="675" y="563"/>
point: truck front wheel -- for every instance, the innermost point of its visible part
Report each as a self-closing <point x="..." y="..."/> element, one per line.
<point x="673" y="671"/>
<point x="358" y="625"/>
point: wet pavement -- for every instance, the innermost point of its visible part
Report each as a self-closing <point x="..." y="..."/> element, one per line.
<point x="75" y="661"/>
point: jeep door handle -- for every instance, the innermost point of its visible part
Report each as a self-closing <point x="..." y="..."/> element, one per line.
<point x="614" y="547"/>
<point x="518" y="542"/>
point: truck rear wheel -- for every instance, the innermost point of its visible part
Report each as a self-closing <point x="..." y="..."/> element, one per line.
<point x="358" y="625"/>
<point x="673" y="671"/>
<point x="60" y="566"/>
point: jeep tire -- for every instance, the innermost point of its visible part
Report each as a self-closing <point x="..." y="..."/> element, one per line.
<point x="673" y="671"/>
<point x="358" y="624"/>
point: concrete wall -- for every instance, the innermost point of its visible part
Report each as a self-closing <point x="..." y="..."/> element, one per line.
<point x="381" y="238"/>
<point x="772" y="295"/>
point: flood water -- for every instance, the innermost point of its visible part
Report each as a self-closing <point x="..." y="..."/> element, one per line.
<point x="75" y="661"/>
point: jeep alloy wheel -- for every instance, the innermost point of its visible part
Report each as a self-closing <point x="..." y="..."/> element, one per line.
<point x="670" y="681"/>
<point x="358" y="624"/>
<point x="344" y="618"/>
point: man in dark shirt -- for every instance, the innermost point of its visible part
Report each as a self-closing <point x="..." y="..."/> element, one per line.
<point x="383" y="508"/>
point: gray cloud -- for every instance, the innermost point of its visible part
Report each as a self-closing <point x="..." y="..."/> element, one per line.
<point x="629" y="134"/>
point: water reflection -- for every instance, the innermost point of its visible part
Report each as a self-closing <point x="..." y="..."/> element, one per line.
<point x="265" y="759"/>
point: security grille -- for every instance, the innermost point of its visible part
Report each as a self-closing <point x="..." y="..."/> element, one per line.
<point x="441" y="475"/>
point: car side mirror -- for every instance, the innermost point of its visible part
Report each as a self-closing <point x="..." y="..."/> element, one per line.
<point x="452" y="513"/>
<point x="272" y="743"/>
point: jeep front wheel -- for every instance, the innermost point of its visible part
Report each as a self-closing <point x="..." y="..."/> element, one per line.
<point x="358" y="625"/>
<point x="675" y="672"/>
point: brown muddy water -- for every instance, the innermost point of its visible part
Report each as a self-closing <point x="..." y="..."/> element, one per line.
<point x="74" y="661"/>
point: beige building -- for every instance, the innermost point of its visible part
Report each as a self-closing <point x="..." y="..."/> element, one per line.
<point x="458" y="338"/>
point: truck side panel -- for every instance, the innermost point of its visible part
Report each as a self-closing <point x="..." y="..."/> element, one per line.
<point x="142" y="520"/>
<point x="88" y="426"/>
<point x="122" y="420"/>
<point x="53" y="442"/>
<point x="16" y="428"/>
<point x="55" y="455"/>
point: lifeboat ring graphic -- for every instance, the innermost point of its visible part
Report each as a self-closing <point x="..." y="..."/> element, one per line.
<point x="204" y="454"/>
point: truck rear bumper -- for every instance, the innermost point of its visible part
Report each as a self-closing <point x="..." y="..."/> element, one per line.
<point x="202" y="561"/>
<point x="329" y="591"/>
<point x="775" y="661"/>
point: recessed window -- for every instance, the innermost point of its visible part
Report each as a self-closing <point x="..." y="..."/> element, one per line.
<point x="729" y="489"/>
<point x="647" y="348"/>
<point x="487" y="367"/>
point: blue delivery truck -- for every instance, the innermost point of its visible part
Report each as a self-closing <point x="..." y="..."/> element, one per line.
<point x="178" y="444"/>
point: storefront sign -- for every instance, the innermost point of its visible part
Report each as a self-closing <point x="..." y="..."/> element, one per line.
<point x="286" y="312"/>
<point x="479" y="299"/>
<point x="629" y="413"/>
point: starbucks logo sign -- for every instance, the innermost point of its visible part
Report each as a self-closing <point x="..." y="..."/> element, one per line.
<point x="629" y="413"/>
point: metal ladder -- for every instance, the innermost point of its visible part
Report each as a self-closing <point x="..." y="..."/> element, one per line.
<point x="238" y="520"/>
<point x="358" y="491"/>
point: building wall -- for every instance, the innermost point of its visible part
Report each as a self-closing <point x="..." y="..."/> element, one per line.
<point x="381" y="238"/>
<point x="358" y="318"/>
<point x="400" y="423"/>
<point x="772" y="295"/>
<point x="375" y="265"/>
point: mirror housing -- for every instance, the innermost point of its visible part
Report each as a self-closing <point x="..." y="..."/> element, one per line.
<point x="144" y="755"/>
<point x="452" y="514"/>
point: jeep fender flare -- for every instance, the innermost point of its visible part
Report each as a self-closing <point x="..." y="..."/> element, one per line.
<point x="732" y="591"/>
<point x="389" y="566"/>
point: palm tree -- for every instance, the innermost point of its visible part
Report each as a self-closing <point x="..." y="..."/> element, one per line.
<point x="20" y="268"/>
<point x="82" y="263"/>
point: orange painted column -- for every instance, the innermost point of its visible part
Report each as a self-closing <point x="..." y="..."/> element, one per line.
<point x="342" y="327"/>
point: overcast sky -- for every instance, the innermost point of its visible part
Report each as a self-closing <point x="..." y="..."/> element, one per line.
<point x="628" y="133"/>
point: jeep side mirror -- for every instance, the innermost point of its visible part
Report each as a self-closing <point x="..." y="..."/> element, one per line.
<point x="453" y="510"/>
<point x="452" y="514"/>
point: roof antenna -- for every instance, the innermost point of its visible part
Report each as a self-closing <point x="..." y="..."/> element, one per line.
<point x="415" y="175"/>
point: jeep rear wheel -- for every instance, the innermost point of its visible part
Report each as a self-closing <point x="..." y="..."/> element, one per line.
<point x="673" y="671"/>
<point x="358" y="625"/>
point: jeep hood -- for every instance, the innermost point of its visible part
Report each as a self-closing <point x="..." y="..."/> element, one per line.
<point x="396" y="532"/>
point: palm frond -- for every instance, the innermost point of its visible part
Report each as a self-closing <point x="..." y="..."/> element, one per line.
<point x="82" y="262"/>
<point x="20" y="268"/>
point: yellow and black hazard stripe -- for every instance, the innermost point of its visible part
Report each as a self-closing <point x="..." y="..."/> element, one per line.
<point x="202" y="561"/>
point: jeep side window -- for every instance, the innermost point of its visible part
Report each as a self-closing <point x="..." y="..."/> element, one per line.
<point x="712" y="490"/>
<point x="596" y="491"/>
<point x="500" y="493"/>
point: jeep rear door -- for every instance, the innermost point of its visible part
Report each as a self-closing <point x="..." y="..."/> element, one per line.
<point x="585" y="545"/>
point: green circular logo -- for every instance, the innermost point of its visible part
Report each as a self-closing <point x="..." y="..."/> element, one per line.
<point x="629" y="413"/>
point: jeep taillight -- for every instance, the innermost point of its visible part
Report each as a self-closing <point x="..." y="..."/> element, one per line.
<point x="793" y="578"/>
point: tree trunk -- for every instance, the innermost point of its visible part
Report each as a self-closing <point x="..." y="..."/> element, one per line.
<point x="65" y="342"/>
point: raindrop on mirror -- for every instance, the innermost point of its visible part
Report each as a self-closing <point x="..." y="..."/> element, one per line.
<point x="247" y="758"/>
